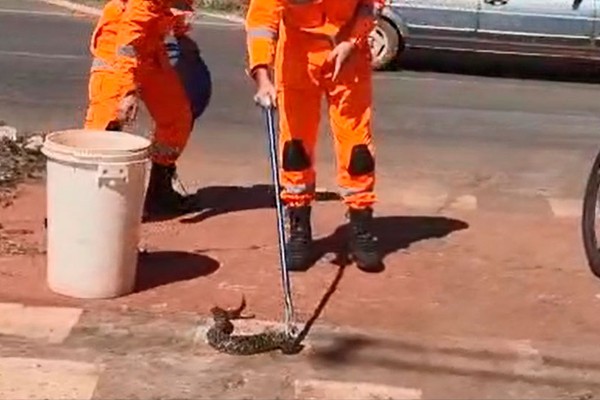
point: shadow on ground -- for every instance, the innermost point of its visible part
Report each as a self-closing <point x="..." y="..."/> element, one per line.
<point x="217" y="200"/>
<point x="394" y="233"/>
<point x="499" y="66"/>
<point x="165" y="267"/>
<point x="355" y="350"/>
<point x="331" y="289"/>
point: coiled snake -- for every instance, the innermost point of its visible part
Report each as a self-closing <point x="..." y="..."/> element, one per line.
<point x="220" y="335"/>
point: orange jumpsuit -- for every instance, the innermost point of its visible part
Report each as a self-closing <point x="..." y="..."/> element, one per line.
<point x="129" y="55"/>
<point x="294" y="37"/>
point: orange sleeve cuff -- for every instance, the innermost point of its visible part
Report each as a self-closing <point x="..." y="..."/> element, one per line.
<point x="261" y="51"/>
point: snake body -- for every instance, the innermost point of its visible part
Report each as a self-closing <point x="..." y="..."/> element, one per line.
<point x="220" y="336"/>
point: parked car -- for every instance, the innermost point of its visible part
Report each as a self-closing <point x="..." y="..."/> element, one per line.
<point x="549" y="28"/>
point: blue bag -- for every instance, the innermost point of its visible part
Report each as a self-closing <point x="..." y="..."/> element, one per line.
<point x="195" y="76"/>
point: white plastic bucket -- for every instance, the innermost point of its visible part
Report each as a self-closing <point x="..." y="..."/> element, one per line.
<point x="95" y="194"/>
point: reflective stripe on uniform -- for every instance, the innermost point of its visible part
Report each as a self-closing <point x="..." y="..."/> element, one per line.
<point x="347" y="191"/>
<point x="100" y="64"/>
<point x="299" y="189"/>
<point x="161" y="150"/>
<point x="126" y="50"/>
<point x="261" y="33"/>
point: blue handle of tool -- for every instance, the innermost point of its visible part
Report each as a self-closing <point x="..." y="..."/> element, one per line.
<point x="285" y="278"/>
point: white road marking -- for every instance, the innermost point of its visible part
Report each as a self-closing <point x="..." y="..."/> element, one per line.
<point x="231" y="20"/>
<point x="216" y="23"/>
<point x="42" y="55"/>
<point x="328" y="390"/>
<point x="228" y="17"/>
<point x="465" y="202"/>
<point x="566" y="207"/>
<point x="32" y="379"/>
<point x="33" y="12"/>
<point x="479" y="80"/>
<point x="426" y="195"/>
<point x="387" y="77"/>
<point x="530" y="361"/>
<point x="226" y="21"/>
<point x="69" y="5"/>
<point x="53" y="324"/>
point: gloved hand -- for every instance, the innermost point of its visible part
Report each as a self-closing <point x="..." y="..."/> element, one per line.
<point x="339" y="55"/>
<point x="128" y="108"/>
<point x="182" y="21"/>
<point x="266" y="94"/>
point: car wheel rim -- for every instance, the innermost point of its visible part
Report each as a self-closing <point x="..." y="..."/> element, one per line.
<point x="378" y="42"/>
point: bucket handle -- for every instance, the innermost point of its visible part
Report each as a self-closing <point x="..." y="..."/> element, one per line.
<point x="113" y="173"/>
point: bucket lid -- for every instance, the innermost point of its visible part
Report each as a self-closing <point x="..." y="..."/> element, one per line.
<point x="87" y="145"/>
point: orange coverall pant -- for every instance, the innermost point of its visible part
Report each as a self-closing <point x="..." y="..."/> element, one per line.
<point x="290" y="36"/>
<point x="159" y="85"/>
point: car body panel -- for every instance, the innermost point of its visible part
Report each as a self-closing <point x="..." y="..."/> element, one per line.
<point x="554" y="28"/>
<point x="445" y="17"/>
<point x="394" y="16"/>
<point x="561" y="22"/>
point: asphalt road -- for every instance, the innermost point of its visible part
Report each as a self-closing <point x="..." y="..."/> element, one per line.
<point x="457" y="130"/>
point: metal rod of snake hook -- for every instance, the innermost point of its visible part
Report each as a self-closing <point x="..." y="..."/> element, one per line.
<point x="285" y="278"/>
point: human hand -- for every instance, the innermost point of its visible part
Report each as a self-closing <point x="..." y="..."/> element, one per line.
<point x="339" y="55"/>
<point x="183" y="20"/>
<point x="266" y="94"/>
<point x="127" y="110"/>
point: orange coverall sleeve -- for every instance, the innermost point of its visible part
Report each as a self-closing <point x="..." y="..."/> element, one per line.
<point x="364" y="21"/>
<point x="262" y="29"/>
<point x="133" y="39"/>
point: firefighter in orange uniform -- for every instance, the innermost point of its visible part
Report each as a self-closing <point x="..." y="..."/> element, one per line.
<point x="315" y="48"/>
<point x="130" y="62"/>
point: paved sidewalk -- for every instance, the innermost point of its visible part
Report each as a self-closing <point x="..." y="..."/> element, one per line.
<point x="68" y="353"/>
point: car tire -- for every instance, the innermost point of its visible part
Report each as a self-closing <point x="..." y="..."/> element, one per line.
<point x="385" y="43"/>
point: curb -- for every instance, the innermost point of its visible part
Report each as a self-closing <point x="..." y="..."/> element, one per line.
<point x="76" y="7"/>
<point x="228" y="17"/>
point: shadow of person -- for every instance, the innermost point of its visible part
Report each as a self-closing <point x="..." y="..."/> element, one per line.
<point x="217" y="200"/>
<point x="164" y="267"/>
<point x="394" y="233"/>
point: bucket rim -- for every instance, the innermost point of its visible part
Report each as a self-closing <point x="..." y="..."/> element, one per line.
<point x="139" y="148"/>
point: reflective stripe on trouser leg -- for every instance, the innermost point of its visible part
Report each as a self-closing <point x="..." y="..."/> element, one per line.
<point x="299" y="122"/>
<point x="164" y="154"/>
<point x="167" y="103"/>
<point x="350" y="102"/>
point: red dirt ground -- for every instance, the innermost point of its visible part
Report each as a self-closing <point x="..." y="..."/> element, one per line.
<point x="470" y="274"/>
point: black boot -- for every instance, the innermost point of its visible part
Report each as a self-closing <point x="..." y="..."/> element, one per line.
<point x="363" y="244"/>
<point x="161" y="197"/>
<point x="299" y="243"/>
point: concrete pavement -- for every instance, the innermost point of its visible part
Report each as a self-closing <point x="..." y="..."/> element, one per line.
<point x="112" y="354"/>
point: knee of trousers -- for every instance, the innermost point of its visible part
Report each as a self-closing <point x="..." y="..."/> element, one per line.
<point x="362" y="161"/>
<point x="295" y="157"/>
